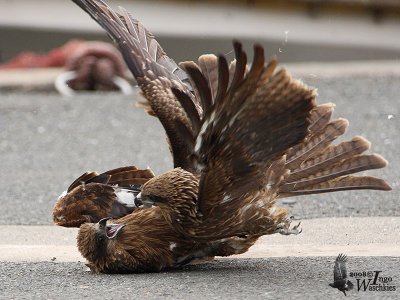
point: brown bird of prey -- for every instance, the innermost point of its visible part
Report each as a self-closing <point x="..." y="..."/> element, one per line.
<point x="340" y="280"/>
<point x="241" y="137"/>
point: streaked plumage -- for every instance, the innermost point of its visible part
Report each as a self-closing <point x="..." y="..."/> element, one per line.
<point x="144" y="242"/>
<point x="241" y="136"/>
<point x="340" y="279"/>
<point x="93" y="196"/>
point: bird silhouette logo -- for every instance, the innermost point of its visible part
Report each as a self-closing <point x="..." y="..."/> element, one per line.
<point x="340" y="280"/>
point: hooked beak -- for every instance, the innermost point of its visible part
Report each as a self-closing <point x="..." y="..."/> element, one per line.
<point x="113" y="229"/>
<point x="103" y="221"/>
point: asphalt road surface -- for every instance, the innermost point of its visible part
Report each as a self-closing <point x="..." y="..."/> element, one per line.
<point x="271" y="278"/>
<point x="46" y="141"/>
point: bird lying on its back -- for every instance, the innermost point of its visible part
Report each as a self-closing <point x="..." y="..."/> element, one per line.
<point x="241" y="136"/>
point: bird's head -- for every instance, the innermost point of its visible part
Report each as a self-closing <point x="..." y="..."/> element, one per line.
<point x="93" y="238"/>
<point x="167" y="187"/>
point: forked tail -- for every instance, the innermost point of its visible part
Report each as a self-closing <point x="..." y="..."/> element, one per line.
<point x="317" y="166"/>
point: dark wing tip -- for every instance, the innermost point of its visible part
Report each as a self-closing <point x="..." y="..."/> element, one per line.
<point x="258" y="49"/>
<point x="341" y="258"/>
<point x="350" y="285"/>
<point x="84" y="178"/>
<point x="237" y="45"/>
<point x="102" y="178"/>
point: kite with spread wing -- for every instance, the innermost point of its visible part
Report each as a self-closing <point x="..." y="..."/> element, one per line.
<point x="241" y="137"/>
<point x="340" y="280"/>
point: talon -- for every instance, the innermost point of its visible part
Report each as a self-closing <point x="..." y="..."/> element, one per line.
<point x="296" y="226"/>
<point x="284" y="227"/>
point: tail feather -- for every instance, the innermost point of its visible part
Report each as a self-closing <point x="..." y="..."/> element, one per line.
<point x="348" y="166"/>
<point x="332" y="155"/>
<point x="340" y="184"/>
<point x="320" y="117"/>
<point x="317" y="166"/>
<point x="316" y="143"/>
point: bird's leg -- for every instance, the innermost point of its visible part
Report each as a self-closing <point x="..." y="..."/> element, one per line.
<point x="285" y="229"/>
<point x="223" y="247"/>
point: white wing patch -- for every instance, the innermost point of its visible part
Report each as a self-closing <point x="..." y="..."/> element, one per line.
<point x="226" y="198"/>
<point x="172" y="246"/>
<point x="126" y="197"/>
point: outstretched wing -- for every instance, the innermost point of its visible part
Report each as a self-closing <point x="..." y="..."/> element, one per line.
<point x="255" y="117"/>
<point x="154" y="71"/>
<point x="340" y="270"/>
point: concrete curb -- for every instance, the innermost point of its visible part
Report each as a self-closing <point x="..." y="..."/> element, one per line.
<point x="373" y="236"/>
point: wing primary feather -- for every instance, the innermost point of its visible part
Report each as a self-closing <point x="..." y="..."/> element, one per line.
<point x="208" y="64"/>
<point x="258" y="63"/>
<point x="119" y="170"/>
<point x="102" y="178"/>
<point x="83" y="178"/>
<point x="128" y="23"/>
<point x="240" y="67"/>
<point x="185" y="133"/>
<point x="189" y="107"/>
<point x="201" y="85"/>
<point x="223" y="79"/>
<point x="133" y="177"/>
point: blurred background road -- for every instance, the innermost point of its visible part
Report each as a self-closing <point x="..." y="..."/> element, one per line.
<point x="294" y="30"/>
<point x="348" y="49"/>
